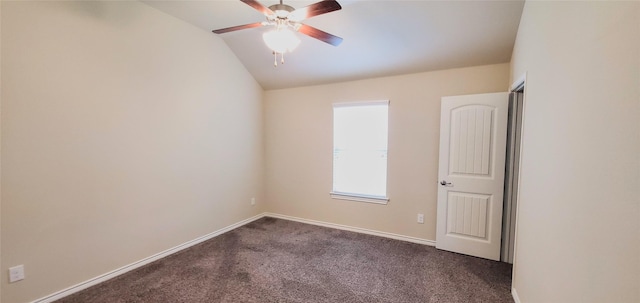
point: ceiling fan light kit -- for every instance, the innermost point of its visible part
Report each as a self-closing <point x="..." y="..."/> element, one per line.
<point x="286" y="20"/>
<point x="280" y="41"/>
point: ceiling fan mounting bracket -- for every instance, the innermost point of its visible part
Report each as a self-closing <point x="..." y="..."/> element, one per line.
<point x="281" y="7"/>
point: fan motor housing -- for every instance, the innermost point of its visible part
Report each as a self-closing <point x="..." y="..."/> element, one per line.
<point x="279" y="9"/>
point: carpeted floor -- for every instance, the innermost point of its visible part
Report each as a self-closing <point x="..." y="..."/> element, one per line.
<point x="273" y="260"/>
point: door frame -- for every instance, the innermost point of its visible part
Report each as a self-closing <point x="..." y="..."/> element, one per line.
<point x="518" y="86"/>
<point x="512" y="169"/>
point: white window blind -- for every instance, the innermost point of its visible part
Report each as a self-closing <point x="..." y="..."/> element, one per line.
<point x="360" y="135"/>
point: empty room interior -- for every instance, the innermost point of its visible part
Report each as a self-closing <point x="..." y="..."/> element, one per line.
<point x="134" y="132"/>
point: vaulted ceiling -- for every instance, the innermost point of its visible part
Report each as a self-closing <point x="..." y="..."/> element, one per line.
<point x="381" y="38"/>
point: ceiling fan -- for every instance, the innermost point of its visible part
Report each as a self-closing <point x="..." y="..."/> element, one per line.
<point x="285" y="18"/>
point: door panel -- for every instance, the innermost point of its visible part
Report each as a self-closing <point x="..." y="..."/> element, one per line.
<point x="471" y="140"/>
<point x="467" y="215"/>
<point x="471" y="170"/>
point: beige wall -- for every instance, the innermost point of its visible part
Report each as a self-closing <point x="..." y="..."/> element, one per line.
<point x="119" y="142"/>
<point x="125" y="132"/>
<point x="0" y="144"/>
<point x="578" y="237"/>
<point x="299" y="145"/>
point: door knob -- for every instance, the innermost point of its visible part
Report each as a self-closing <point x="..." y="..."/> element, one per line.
<point x="445" y="183"/>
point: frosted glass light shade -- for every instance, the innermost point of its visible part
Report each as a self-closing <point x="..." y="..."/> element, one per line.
<point x="281" y="41"/>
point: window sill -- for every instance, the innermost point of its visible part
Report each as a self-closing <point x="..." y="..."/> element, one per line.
<point x="359" y="198"/>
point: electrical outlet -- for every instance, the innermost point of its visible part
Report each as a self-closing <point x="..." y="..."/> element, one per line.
<point x="16" y="273"/>
<point x="253" y="201"/>
<point x="421" y="218"/>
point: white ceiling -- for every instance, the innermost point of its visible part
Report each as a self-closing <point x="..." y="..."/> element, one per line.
<point x="381" y="38"/>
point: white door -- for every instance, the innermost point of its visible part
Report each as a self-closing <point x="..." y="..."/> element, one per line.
<point x="473" y="134"/>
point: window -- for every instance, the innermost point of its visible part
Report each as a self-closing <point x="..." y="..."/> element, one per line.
<point x="360" y="131"/>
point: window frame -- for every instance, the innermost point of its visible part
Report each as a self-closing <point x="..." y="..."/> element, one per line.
<point x="356" y="196"/>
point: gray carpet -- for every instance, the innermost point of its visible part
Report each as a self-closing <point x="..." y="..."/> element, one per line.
<point x="273" y="260"/>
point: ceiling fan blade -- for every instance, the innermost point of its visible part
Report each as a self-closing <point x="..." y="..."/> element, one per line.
<point x="238" y="27"/>
<point x="320" y="35"/>
<point x="259" y="7"/>
<point x="315" y="9"/>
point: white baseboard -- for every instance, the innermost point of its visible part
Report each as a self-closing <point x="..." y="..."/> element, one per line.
<point x="354" y="229"/>
<point x="514" y="294"/>
<point x="112" y="274"/>
<point x="122" y="270"/>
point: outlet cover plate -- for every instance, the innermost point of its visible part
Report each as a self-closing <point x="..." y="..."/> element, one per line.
<point x="16" y="273"/>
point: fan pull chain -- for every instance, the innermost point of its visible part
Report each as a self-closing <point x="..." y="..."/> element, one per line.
<point x="275" y="59"/>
